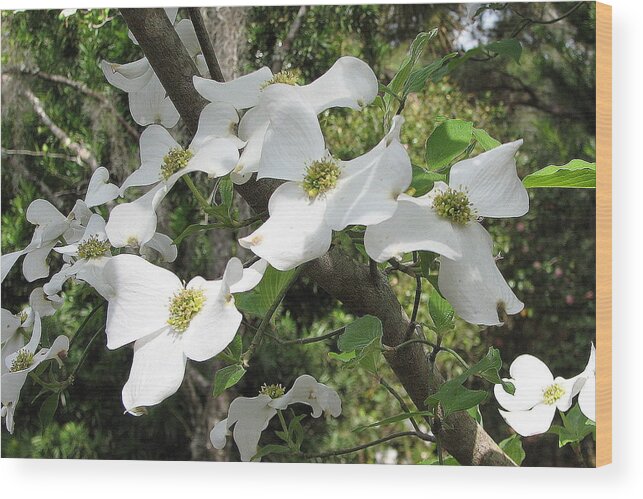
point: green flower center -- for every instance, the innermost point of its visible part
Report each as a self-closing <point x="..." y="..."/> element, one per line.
<point x="454" y="205"/>
<point x="553" y="393"/>
<point x="287" y="76"/>
<point x="23" y="360"/>
<point x="93" y="248"/>
<point x="23" y="316"/>
<point x="174" y="160"/>
<point x="321" y="177"/>
<point x="184" y="305"/>
<point x="273" y="391"/>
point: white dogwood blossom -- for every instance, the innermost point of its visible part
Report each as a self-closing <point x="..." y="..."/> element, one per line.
<point x="350" y="83"/>
<point x="170" y="322"/>
<point x="445" y="221"/>
<point x="148" y="100"/>
<point x="531" y="409"/>
<point x="323" y="193"/>
<point x="51" y="227"/>
<point x="250" y="415"/>
<point x="586" y="386"/>
<point x="21" y="363"/>
<point x="213" y="150"/>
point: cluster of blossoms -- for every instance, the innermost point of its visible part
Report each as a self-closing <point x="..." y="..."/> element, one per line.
<point x="532" y="407"/>
<point x="264" y="125"/>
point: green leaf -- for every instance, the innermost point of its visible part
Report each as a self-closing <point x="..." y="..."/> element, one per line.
<point x="360" y="334"/>
<point x="449" y="139"/>
<point x="226" y="192"/>
<point x="419" y="77"/>
<point x="509" y="47"/>
<point x="475" y="413"/>
<point x="575" y="427"/>
<point x="423" y="180"/>
<point x="258" y="300"/>
<point x="48" y="410"/>
<point x="226" y="377"/>
<point x="417" y="47"/>
<point x="512" y="446"/>
<point x="296" y="431"/>
<point x="441" y="312"/>
<point x="454" y="397"/>
<point x="236" y="347"/>
<point x="270" y="449"/>
<point x="426" y="259"/>
<point x="484" y="139"/>
<point x="394" y="419"/>
<point x="343" y="356"/>
<point x="577" y="174"/>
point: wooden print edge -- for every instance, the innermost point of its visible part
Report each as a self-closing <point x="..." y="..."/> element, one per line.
<point x="603" y="234"/>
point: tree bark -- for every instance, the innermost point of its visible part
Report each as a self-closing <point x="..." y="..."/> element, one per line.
<point x="350" y="282"/>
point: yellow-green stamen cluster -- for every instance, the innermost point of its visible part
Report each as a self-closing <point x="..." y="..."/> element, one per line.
<point x="184" y="305"/>
<point x="454" y="205"/>
<point x="287" y="76"/>
<point x="23" y="360"/>
<point x="321" y="177"/>
<point x="273" y="391"/>
<point x="174" y="160"/>
<point x="23" y="316"/>
<point x="93" y="247"/>
<point x="553" y="393"/>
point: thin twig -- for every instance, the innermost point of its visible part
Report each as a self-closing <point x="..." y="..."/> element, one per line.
<point x="281" y="51"/>
<point x="206" y="44"/>
<point x="340" y="452"/>
<point x="400" y="401"/>
<point x="265" y="322"/>
<point x="306" y="341"/>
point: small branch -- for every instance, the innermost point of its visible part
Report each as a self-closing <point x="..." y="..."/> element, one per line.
<point x="395" y="265"/>
<point x="81" y="87"/>
<point x="265" y="322"/>
<point x="403" y="405"/>
<point x="39" y="154"/>
<point x="306" y="341"/>
<point x="83" y="153"/>
<point x="340" y="452"/>
<point x="281" y="51"/>
<point x="206" y="44"/>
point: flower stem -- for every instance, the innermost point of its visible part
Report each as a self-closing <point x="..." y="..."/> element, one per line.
<point x="265" y="322"/>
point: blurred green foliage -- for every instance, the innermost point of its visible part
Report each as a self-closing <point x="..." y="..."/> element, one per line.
<point x="547" y="256"/>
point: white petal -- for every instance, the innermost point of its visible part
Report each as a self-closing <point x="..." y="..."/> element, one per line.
<point x="10" y="324"/>
<point x="42" y="212"/>
<point x="41" y="304"/>
<point x="93" y="274"/>
<point x="99" y="190"/>
<point x="134" y="224"/>
<point x="532" y="422"/>
<point x="8" y="261"/>
<point x="60" y="345"/>
<point x="219" y="433"/>
<point x="414" y="227"/>
<point x="306" y="390"/>
<point x="81" y="214"/>
<point x="242" y="92"/>
<point x="216" y="157"/>
<point x="530" y="377"/>
<point x="587" y="398"/>
<point x="11" y="385"/>
<point x="9" y="347"/>
<point x="295" y="232"/>
<point x="250" y="416"/>
<point x="139" y="306"/>
<point x="473" y="284"/>
<point x="185" y="29"/>
<point x="218" y="119"/>
<point x="130" y="77"/>
<point x="163" y="245"/>
<point x="157" y="371"/>
<point x="151" y="104"/>
<point x="294" y="138"/>
<point x="35" y="266"/>
<point x="369" y="186"/>
<point x="250" y="159"/>
<point x="253" y="121"/>
<point x="55" y="284"/>
<point x="251" y="277"/>
<point x="350" y="82"/>
<point x="492" y="182"/>
<point x="155" y="143"/>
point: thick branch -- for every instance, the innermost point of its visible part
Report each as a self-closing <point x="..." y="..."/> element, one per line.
<point x="353" y="284"/>
<point x="206" y="44"/>
<point x="170" y="60"/>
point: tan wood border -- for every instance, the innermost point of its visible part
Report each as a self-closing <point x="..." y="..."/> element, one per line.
<point x="603" y="234"/>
